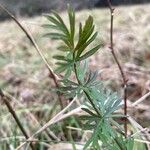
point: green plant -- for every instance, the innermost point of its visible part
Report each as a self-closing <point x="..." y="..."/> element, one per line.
<point x="99" y="102"/>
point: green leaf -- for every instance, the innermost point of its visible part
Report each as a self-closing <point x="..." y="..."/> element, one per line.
<point x="59" y="57"/>
<point x="63" y="48"/>
<point x="80" y="74"/>
<point x="80" y="37"/>
<point x="92" y="77"/>
<point x="88" y="142"/>
<point x="88" y="34"/>
<point x="84" y="68"/>
<point x="88" y="25"/>
<point x="52" y="19"/>
<point x="89" y="53"/>
<point x="71" y="14"/>
<point x="92" y="38"/>
<point x="63" y="66"/>
<point x="116" y="124"/>
<point x="113" y="106"/>
<point x="60" y="26"/>
<point x="88" y="126"/>
<point x="85" y="33"/>
<point x="55" y="27"/>
<point x="94" y="137"/>
<point x="87" y="117"/>
<point x="60" y="69"/>
<point x="56" y="36"/>
<point x="68" y="73"/>
<point x="68" y="88"/>
<point x="68" y="82"/>
<point x="61" y="22"/>
<point x="86" y="44"/>
<point x="89" y="112"/>
<point x="130" y="144"/>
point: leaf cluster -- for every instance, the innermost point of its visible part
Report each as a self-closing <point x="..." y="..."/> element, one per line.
<point x="100" y="103"/>
<point x="73" y="51"/>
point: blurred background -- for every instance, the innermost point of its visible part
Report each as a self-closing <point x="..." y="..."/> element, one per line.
<point x="34" y="7"/>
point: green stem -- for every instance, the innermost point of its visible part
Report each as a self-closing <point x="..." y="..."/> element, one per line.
<point x="75" y="70"/>
<point x="89" y="98"/>
<point x="85" y="92"/>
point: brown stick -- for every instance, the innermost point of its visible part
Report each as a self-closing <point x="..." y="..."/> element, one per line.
<point x="119" y="65"/>
<point x="13" y="113"/>
<point x="31" y="39"/>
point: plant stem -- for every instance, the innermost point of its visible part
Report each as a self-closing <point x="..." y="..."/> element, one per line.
<point x="31" y="39"/>
<point x="89" y="98"/>
<point x="85" y="92"/>
<point x="75" y="70"/>
<point x="93" y="105"/>
<point x="13" y="113"/>
<point x="119" y="66"/>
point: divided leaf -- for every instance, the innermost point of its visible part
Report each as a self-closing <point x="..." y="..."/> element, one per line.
<point x="89" y="53"/>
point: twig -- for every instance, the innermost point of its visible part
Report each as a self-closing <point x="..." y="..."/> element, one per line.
<point x="138" y="132"/>
<point x="51" y="122"/>
<point x="119" y="65"/>
<point x="13" y="113"/>
<point x="47" y="133"/>
<point x="142" y="141"/>
<point x="138" y="127"/>
<point x="31" y="39"/>
<point x="141" y="99"/>
<point x="60" y="116"/>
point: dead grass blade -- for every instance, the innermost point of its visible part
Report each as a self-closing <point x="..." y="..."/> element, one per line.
<point x="50" y="133"/>
<point x="141" y="99"/>
<point x="60" y="116"/>
<point x="13" y="113"/>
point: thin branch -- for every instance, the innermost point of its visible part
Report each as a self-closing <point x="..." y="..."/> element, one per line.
<point x="119" y="65"/>
<point x="138" y="127"/>
<point x="141" y="99"/>
<point x="13" y="113"/>
<point x="59" y="117"/>
<point x="31" y="39"/>
<point x="48" y="134"/>
<point x="142" y="141"/>
<point x="139" y="132"/>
